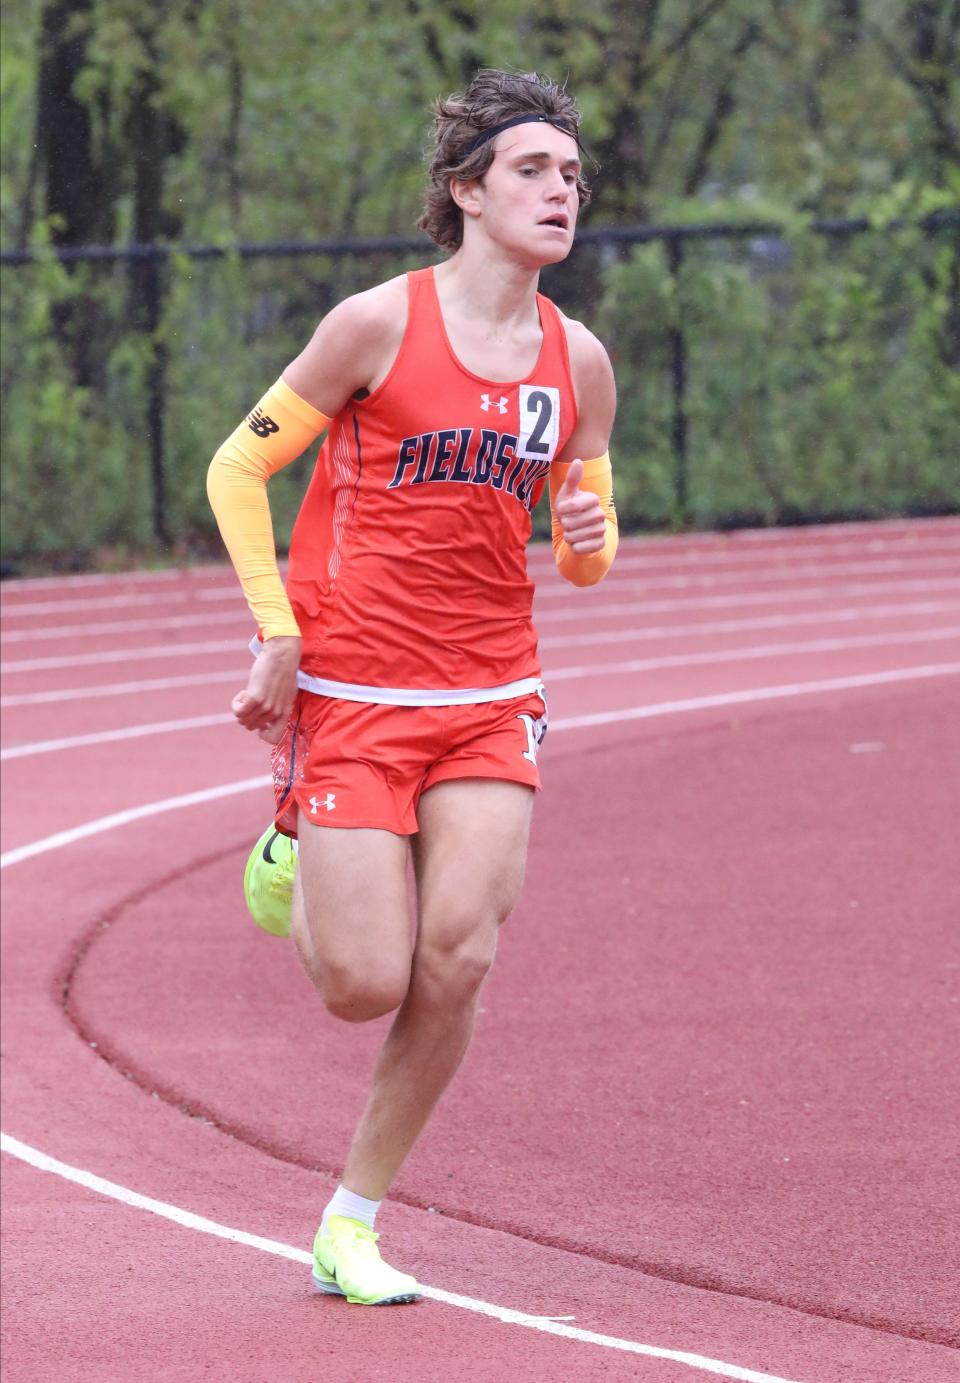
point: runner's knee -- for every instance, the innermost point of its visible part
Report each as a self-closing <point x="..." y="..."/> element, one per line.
<point x="453" y="965"/>
<point x="358" y="996"/>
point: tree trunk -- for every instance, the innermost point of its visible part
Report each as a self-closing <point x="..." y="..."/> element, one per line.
<point x="155" y="136"/>
<point x="78" y="190"/>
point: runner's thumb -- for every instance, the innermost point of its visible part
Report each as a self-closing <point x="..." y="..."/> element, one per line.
<point x="571" y="483"/>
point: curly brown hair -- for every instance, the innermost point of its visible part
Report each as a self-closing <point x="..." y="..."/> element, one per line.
<point x="490" y="99"/>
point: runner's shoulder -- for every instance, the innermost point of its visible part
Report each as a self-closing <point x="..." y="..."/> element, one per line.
<point x="369" y="316"/>
<point x="589" y="361"/>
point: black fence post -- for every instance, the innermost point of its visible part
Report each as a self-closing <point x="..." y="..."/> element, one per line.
<point x="152" y="287"/>
<point x="678" y="377"/>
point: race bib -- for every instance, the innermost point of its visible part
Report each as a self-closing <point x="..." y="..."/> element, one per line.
<point x="539" y="422"/>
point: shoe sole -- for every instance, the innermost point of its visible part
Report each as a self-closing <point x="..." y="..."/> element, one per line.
<point x="333" y="1288"/>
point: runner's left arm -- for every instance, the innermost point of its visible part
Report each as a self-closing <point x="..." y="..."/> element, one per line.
<point x="584" y="518"/>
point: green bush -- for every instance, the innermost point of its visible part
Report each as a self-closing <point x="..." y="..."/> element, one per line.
<point x="816" y="386"/>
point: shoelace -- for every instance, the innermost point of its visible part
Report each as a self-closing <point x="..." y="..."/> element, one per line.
<point x="281" y="879"/>
<point x="362" y="1238"/>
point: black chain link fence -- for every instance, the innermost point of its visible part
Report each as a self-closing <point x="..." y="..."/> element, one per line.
<point x="766" y="374"/>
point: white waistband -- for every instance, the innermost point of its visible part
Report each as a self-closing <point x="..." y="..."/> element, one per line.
<point x="418" y="696"/>
<point x="412" y="696"/>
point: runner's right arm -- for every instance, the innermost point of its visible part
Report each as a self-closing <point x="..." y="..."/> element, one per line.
<point x="345" y="355"/>
<point x="276" y="432"/>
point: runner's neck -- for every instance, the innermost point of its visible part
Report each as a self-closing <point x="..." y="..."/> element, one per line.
<point x="495" y="300"/>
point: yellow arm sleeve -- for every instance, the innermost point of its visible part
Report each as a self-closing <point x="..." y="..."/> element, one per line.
<point x="278" y="430"/>
<point x="585" y="569"/>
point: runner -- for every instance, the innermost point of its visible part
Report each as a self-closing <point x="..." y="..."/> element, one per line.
<point x="397" y="674"/>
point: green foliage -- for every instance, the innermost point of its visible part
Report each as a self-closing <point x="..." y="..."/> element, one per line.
<point x="817" y="384"/>
<point x="822" y="383"/>
<point x="72" y="479"/>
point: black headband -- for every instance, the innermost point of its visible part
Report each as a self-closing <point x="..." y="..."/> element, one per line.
<point x="518" y="120"/>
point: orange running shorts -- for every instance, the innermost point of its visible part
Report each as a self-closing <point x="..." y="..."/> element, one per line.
<point x="352" y="763"/>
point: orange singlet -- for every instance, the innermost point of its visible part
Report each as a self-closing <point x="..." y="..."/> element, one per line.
<point x="407" y="569"/>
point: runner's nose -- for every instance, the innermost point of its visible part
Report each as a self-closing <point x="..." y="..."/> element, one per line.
<point x="558" y="186"/>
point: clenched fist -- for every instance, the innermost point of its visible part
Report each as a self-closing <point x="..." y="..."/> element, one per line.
<point x="267" y="700"/>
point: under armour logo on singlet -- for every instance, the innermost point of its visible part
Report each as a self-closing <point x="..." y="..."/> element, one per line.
<point x="261" y="424"/>
<point x="486" y="403"/>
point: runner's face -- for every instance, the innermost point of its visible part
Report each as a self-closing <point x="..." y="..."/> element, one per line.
<point x="529" y="193"/>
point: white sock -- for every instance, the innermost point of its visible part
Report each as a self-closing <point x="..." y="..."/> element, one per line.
<point x="354" y="1207"/>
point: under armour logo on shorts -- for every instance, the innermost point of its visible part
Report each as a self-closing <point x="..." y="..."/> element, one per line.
<point x="486" y="403"/>
<point x="330" y="801"/>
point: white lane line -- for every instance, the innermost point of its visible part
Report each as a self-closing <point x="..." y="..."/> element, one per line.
<point x="576" y="610"/>
<point x="124" y="655"/>
<point x="124" y="732"/>
<point x="653" y="549"/>
<point x="79" y="580"/>
<point x="842" y="615"/>
<point x="847" y="614"/>
<point x="888" y="526"/>
<point x="545" y="591"/>
<point x="731" y="655"/>
<point x="772" y="576"/>
<point x="189" y="799"/>
<point x="152" y="684"/>
<point x="699" y="703"/>
<point x="127" y="626"/>
<point x="104" y="602"/>
<point x="117" y="602"/>
<point x="648" y="558"/>
<point x="597" y="610"/>
<point x="695" y="703"/>
<point x="881" y="534"/>
<point x="545" y="1324"/>
<point x="592" y="670"/>
<point x="109" y="823"/>
<point x="637" y="552"/>
<point x="552" y="590"/>
<point x="746" y="544"/>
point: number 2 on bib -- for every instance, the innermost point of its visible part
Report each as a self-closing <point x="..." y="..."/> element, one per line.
<point x="539" y="422"/>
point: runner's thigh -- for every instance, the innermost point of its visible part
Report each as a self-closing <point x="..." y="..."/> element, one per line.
<point x="350" y="910"/>
<point x="470" y="857"/>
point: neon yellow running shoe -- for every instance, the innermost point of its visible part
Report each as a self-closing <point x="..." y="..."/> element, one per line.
<point x="347" y="1262"/>
<point x="268" y="882"/>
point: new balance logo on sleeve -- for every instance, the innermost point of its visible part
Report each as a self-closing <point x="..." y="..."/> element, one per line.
<point x="261" y="424"/>
<point x="486" y="403"/>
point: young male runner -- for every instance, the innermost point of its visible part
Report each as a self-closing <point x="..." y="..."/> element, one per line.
<point x="397" y="674"/>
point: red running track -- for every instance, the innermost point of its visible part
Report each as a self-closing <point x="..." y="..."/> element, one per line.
<point x="709" y="1120"/>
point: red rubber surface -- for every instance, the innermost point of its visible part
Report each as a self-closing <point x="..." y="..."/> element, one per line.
<point x="712" y="1102"/>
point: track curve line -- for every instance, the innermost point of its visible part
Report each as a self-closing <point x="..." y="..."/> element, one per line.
<point x="107" y="823"/>
<point x="546" y="1324"/>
